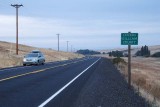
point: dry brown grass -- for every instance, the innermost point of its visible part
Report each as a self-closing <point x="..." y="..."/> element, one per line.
<point x="8" y="58"/>
<point x="145" y="74"/>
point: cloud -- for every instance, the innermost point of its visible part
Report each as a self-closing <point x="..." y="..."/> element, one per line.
<point x="42" y="32"/>
<point x="35" y="27"/>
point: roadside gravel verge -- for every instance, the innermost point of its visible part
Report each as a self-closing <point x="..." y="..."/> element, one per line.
<point x="106" y="87"/>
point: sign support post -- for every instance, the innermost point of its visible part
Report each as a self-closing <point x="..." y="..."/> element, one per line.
<point x="129" y="66"/>
<point x="129" y="39"/>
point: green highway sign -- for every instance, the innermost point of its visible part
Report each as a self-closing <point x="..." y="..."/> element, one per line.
<point x="129" y="38"/>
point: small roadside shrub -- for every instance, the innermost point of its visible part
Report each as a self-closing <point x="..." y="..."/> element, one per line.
<point x="118" y="60"/>
<point x="157" y="54"/>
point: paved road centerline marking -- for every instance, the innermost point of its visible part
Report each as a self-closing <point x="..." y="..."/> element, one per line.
<point x="37" y="71"/>
<point x="64" y="87"/>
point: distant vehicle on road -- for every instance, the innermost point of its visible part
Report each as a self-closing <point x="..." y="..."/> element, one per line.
<point x="33" y="58"/>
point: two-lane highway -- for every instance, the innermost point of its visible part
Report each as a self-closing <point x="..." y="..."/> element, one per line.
<point x="51" y="85"/>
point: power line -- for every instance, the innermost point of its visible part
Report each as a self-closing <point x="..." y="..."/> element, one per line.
<point x="16" y="6"/>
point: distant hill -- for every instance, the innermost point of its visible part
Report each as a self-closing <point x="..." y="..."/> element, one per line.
<point x="9" y="58"/>
<point x="153" y="49"/>
<point x="88" y="52"/>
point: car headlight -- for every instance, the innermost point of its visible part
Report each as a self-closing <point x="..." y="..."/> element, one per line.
<point x="24" y="59"/>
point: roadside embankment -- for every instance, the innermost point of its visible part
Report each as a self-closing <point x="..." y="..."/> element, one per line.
<point x="144" y="76"/>
<point x="106" y="87"/>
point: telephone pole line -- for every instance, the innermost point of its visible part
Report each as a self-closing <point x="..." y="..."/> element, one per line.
<point x="16" y="6"/>
<point x="58" y="41"/>
<point x="67" y="46"/>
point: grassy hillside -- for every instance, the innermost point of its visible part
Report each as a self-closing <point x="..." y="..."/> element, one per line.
<point x="8" y="57"/>
<point x="153" y="49"/>
<point x="145" y="74"/>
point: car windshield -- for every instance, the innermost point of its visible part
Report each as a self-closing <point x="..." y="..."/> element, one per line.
<point x="36" y="52"/>
<point x="31" y="55"/>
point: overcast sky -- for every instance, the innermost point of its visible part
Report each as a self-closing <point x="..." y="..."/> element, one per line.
<point x="86" y="24"/>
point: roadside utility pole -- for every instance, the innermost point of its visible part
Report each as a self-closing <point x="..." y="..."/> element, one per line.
<point x="16" y="6"/>
<point x="67" y="46"/>
<point x="58" y="41"/>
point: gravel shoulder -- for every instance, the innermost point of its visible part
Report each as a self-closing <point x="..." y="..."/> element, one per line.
<point x="106" y="87"/>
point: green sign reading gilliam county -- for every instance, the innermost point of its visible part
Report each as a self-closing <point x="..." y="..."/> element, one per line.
<point x="129" y="38"/>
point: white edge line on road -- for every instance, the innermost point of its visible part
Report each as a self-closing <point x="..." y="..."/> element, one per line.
<point x="59" y="91"/>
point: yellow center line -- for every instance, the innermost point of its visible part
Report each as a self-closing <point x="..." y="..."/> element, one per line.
<point x="37" y="71"/>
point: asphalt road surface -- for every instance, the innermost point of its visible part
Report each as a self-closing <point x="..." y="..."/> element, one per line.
<point x="32" y="86"/>
<point x="73" y="83"/>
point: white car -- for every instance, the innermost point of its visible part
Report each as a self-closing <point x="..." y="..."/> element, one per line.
<point x="33" y="59"/>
